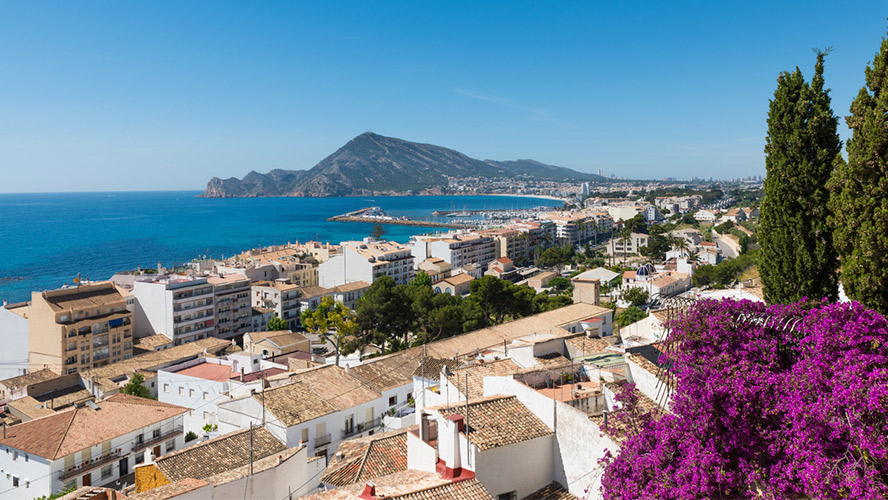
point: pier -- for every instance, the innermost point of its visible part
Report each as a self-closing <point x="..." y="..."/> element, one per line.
<point x="375" y="215"/>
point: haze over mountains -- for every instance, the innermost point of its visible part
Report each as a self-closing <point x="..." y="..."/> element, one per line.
<point x="373" y="164"/>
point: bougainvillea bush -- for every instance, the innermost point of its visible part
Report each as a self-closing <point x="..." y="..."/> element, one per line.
<point x="763" y="410"/>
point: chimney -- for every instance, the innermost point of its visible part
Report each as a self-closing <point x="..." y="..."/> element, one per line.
<point x="369" y="492"/>
<point x="242" y="374"/>
<point x="448" y="441"/>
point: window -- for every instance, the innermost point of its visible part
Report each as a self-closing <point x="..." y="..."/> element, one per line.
<point x="140" y="438"/>
<point x="512" y="495"/>
<point x="140" y="458"/>
<point x="205" y="396"/>
<point x="170" y="445"/>
<point x="106" y="472"/>
<point x="181" y="391"/>
<point x="305" y="435"/>
<point x="15" y="455"/>
<point x="155" y="434"/>
<point x="393" y="400"/>
<point x="26" y="457"/>
<point x="15" y="481"/>
<point x="190" y="393"/>
<point x="166" y="387"/>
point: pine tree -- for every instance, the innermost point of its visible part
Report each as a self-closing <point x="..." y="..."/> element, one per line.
<point x="798" y="258"/>
<point x="860" y="192"/>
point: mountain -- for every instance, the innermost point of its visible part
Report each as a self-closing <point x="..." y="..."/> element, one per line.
<point x="372" y="164"/>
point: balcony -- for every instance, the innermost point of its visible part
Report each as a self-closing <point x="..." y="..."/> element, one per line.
<point x="137" y="446"/>
<point x="361" y="428"/>
<point x="322" y="441"/>
<point x="179" y="308"/>
<point x="89" y="465"/>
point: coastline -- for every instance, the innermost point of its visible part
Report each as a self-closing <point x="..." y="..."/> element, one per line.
<point x="538" y="196"/>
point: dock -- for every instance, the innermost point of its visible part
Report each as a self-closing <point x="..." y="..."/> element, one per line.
<point x="375" y="215"/>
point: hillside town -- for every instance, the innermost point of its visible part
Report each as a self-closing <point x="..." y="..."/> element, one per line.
<point x="216" y="377"/>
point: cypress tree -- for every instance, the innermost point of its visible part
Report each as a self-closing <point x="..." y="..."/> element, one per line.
<point x="860" y="192"/>
<point x="797" y="257"/>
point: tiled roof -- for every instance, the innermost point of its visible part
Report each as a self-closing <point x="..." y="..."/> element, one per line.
<point x="333" y="384"/>
<point x="30" y="408"/>
<point x="586" y="346"/>
<point x="463" y="490"/>
<point x="351" y="287"/>
<point x="219" y="454"/>
<point x="409" y="485"/>
<point x="281" y="338"/>
<point x="171" y="490"/>
<point x="69" y="431"/>
<point x="89" y="296"/>
<point x="552" y="491"/>
<point x="367" y="458"/>
<point x="151" y="360"/>
<point x="497" y="421"/>
<point x="459" y="279"/>
<point x="152" y="342"/>
<point x="430" y="368"/>
<point x="388" y="372"/>
<point x="295" y="403"/>
<point x="29" y="378"/>
<point x="478" y="371"/>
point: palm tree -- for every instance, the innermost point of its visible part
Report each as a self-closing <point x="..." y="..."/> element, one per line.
<point x="625" y="236"/>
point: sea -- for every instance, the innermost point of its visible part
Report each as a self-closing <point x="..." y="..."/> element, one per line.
<point x="48" y="239"/>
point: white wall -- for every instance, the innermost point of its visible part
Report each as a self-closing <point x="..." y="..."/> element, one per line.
<point x="14" y="338"/>
<point x="523" y="467"/>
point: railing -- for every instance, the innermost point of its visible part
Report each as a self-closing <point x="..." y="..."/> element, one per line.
<point x="322" y="441"/>
<point x="137" y="446"/>
<point x="360" y="428"/>
<point x="94" y="463"/>
<point x="180" y="308"/>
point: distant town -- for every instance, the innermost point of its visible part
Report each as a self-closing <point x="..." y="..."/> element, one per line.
<point x="335" y="368"/>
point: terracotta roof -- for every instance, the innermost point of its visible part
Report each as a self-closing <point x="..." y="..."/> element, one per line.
<point x="29" y="378"/>
<point x="220" y="454"/>
<point x="586" y="346"/>
<point x="477" y="372"/>
<point x="629" y="275"/>
<point x="29" y="407"/>
<point x="459" y="279"/>
<point x="280" y="338"/>
<point x="497" y="421"/>
<point x="430" y="368"/>
<point x="86" y="297"/>
<point x="388" y="372"/>
<point x="335" y="386"/>
<point x="295" y="403"/>
<point x="92" y="493"/>
<point x="69" y="431"/>
<point x="410" y="485"/>
<point x="152" y="342"/>
<point x="351" y="287"/>
<point x="552" y="491"/>
<point x="367" y="458"/>
<point x="171" y="490"/>
<point x="152" y="360"/>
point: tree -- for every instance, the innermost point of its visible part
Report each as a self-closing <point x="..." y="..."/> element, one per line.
<point x="136" y="387"/>
<point x="859" y="200"/>
<point x="630" y="315"/>
<point x="798" y="256"/>
<point x="276" y="324"/>
<point x="421" y="279"/>
<point x="384" y="311"/>
<point x="377" y="232"/>
<point x="637" y="224"/>
<point x="560" y="284"/>
<point x="636" y="296"/>
<point x="332" y="315"/>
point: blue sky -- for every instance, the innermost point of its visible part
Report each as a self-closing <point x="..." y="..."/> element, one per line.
<point x="164" y="95"/>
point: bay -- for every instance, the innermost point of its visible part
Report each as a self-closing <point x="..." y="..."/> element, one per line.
<point x="46" y="239"/>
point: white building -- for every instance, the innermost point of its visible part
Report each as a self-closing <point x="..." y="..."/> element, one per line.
<point x="180" y="307"/>
<point x="457" y="249"/>
<point x="283" y="298"/>
<point x="233" y="310"/>
<point x="366" y="261"/>
<point x="93" y="444"/>
<point x="14" y="336"/>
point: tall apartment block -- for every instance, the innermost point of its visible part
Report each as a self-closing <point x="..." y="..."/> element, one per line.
<point x="76" y="328"/>
<point x="181" y="307"/>
<point x="234" y="312"/>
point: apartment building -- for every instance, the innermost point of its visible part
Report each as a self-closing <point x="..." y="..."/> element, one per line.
<point x="630" y="246"/>
<point x="76" y="328"/>
<point x="92" y="444"/>
<point x="573" y="228"/>
<point x="232" y="305"/>
<point x="510" y="243"/>
<point x="461" y="249"/>
<point x="367" y="261"/>
<point x="281" y="297"/>
<point x="180" y="307"/>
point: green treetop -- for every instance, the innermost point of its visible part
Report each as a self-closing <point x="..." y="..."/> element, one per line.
<point x="860" y="192"/>
<point x="797" y="254"/>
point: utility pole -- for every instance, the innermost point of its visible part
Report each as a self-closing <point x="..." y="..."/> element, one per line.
<point x="468" y="444"/>
<point x="251" y="448"/>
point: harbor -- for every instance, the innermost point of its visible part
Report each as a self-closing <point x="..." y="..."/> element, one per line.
<point x="375" y="215"/>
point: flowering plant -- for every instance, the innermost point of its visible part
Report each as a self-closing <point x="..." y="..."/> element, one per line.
<point x="761" y="410"/>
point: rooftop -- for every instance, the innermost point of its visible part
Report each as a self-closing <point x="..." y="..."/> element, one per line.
<point x="83" y="297"/>
<point x="478" y="371"/>
<point x="69" y="431"/>
<point x="209" y="371"/>
<point x="220" y="454"/>
<point x="552" y="491"/>
<point x="367" y="458"/>
<point x="295" y="403"/>
<point x="497" y="421"/>
<point x="29" y="378"/>
<point x="388" y="372"/>
<point x="152" y="342"/>
<point x="410" y="485"/>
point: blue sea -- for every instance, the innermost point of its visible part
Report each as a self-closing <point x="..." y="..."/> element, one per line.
<point x="46" y="239"/>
